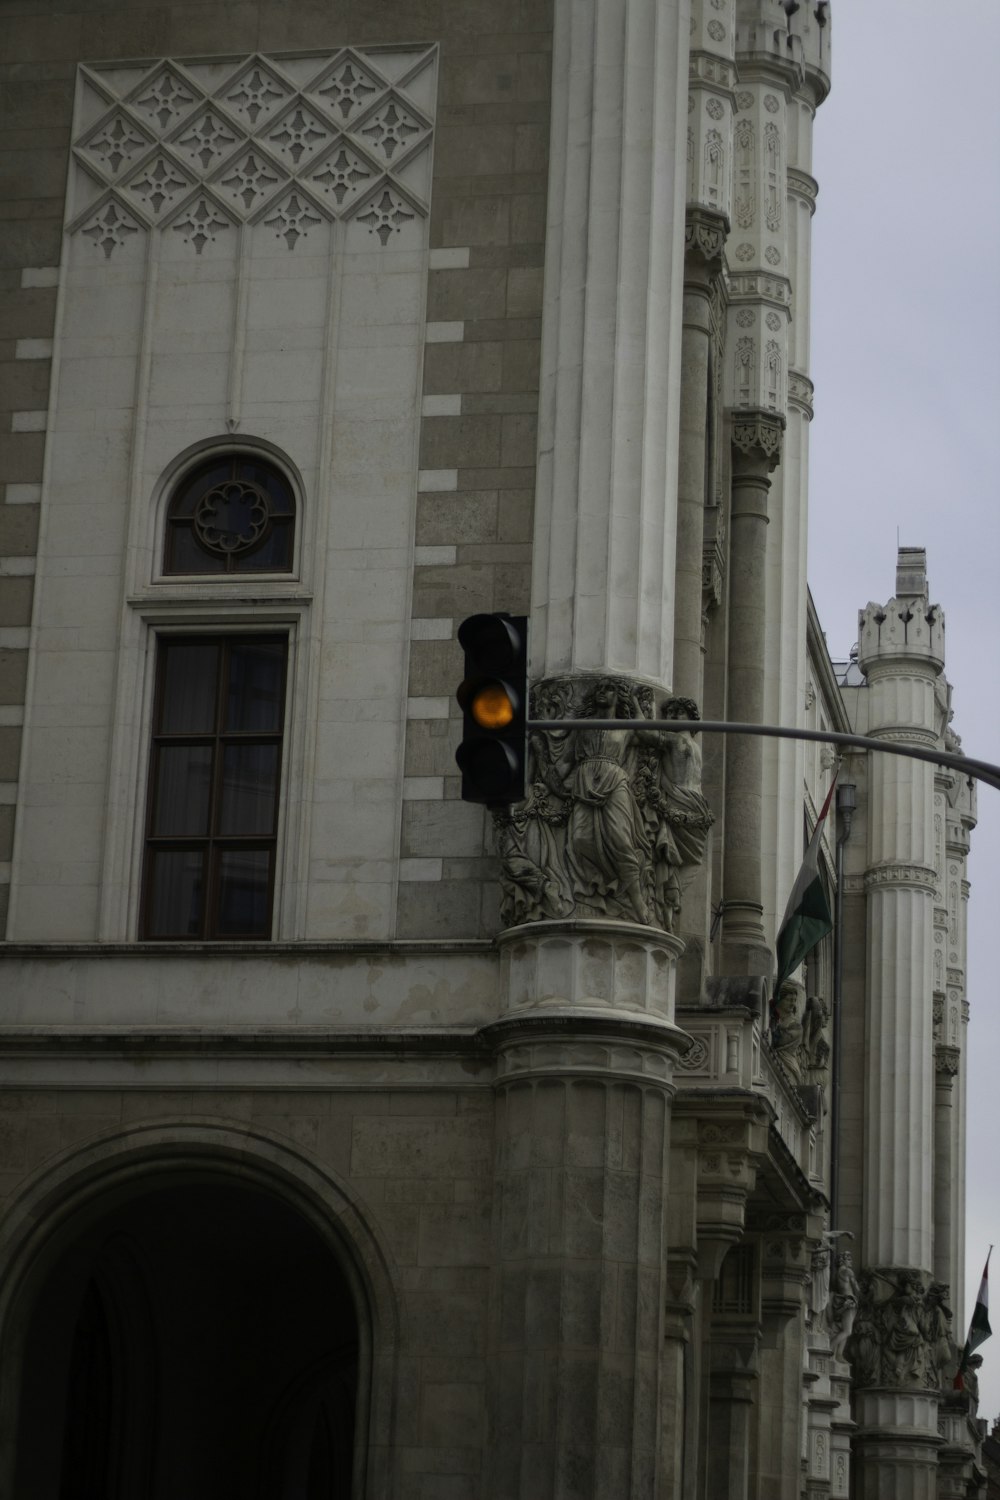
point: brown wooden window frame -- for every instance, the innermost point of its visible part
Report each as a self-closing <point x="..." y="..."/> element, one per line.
<point x="213" y="843"/>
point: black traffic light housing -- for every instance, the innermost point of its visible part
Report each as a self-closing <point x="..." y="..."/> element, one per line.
<point x="494" y="701"/>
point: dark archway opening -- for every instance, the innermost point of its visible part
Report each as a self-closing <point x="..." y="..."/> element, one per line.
<point x="200" y="1340"/>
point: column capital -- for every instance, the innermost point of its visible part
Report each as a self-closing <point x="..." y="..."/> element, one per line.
<point x="756" y="441"/>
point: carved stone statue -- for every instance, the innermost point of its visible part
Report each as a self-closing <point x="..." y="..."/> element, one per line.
<point x="844" y="1306"/>
<point x="606" y="847"/>
<point x="935" y="1325"/>
<point x="815" y="1049"/>
<point x="786" y="1029"/>
<point x="611" y="817"/>
<point x="904" y="1353"/>
<point x="677" y="815"/>
<point x="819" y="1289"/>
<point x="970" y="1377"/>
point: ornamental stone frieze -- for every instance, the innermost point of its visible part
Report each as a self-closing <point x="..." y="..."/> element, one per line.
<point x="903" y="876"/>
<point x="902" y="1331"/>
<point x="613" y="820"/>
<point x="197" y="148"/>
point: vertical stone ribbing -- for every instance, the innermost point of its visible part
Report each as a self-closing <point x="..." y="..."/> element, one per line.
<point x="605" y="509"/>
<point x="580" y="1247"/>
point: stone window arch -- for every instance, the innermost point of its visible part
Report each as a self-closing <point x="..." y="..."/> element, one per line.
<point x="234" y="512"/>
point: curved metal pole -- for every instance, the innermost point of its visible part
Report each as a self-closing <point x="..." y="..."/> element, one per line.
<point x="980" y="770"/>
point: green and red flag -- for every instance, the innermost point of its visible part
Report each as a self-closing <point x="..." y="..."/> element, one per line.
<point x="807" y="916"/>
<point x="979" y="1324"/>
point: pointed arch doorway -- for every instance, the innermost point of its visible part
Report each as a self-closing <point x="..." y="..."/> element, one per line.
<point x="194" y="1335"/>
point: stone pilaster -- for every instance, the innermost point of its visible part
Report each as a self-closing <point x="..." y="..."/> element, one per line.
<point x="756" y="449"/>
<point x="605" y="512"/>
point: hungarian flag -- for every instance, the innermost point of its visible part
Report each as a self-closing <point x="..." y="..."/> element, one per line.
<point x="807" y="916"/>
<point x="979" y="1325"/>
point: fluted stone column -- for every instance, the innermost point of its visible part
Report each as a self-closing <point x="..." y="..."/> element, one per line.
<point x="605" y="511"/>
<point x="902" y="656"/>
<point x="581" y="1282"/>
<point x="756" y="440"/>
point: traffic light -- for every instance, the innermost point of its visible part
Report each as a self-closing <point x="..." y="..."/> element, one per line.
<point x="494" y="701"/>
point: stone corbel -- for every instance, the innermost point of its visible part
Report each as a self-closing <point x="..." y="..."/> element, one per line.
<point x="705" y="232"/>
<point x="756" y="442"/>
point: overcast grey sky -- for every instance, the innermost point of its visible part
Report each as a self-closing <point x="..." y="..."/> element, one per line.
<point x="906" y="360"/>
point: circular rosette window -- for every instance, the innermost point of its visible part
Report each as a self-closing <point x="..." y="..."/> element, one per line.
<point x="233" y="514"/>
<point x="232" y="517"/>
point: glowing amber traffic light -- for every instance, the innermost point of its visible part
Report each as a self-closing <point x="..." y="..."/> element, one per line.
<point x="491" y="707"/>
<point x="494" y="700"/>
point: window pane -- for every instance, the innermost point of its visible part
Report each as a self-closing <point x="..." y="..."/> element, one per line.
<point x="244" y="879"/>
<point x="256" y="686"/>
<point x="185" y="554"/>
<point x="278" y="490"/>
<point x="274" y="555"/>
<point x="183" y="790"/>
<point x="191" y="489"/>
<point x="176" y="894"/>
<point x="249" y="784"/>
<point x="190" y="672"/>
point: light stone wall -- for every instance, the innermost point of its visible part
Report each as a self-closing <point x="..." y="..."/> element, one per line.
<point x="373" y="841"/>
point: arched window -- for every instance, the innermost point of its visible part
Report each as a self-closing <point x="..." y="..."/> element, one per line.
<point x="234" y="513"/>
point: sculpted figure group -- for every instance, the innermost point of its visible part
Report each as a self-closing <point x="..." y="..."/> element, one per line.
<point x="901" y="1334"/>
<point x="611" y="818"/>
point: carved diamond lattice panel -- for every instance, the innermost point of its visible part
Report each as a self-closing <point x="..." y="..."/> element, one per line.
<point x="292" y="219"/>
<point x="164" y="100"/>
<point x="249" y="179"/>
<point x="391" y="129"/>
<point x="206" y="140"/>
<point x="347" y="89"/>
<point x="256" y="95"/>
<point x="201" y="223"/>
<point x="159" y="184"/>
<point x="298" y="135"/>
<point x="115" y="144"/>
<point x="386" y="215"/>
<point x="110" y="228"/>
<point x="343" y="175"/>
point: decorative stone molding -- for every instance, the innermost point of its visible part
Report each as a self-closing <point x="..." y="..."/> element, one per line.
<point x="198" y="148"/>
<point x="800" y="393"/>
<point x="612" y="820"/>
<point x="759" y="286"/>
<point x="904" y="876"/>
<point x="619" y="967"/>
<point x="947" y="1060"/>
<point x="801" y="185"/>
<point x="756" y="439"/>
<point x="902" y="1333"/>
<point x="549" y="1042"/>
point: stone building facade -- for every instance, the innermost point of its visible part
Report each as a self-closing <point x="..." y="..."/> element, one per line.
<point x="353" y="1140"/>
